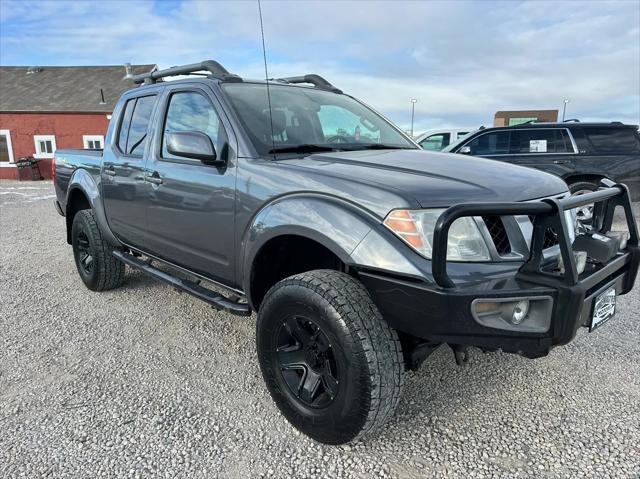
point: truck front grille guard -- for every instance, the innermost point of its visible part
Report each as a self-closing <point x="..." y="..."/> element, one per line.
<point x="547" y="214"/>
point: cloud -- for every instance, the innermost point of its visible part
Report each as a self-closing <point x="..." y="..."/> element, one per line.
<point x="461" y="60"/>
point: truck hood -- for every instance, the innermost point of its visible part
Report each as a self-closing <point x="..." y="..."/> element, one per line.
<point x="436" y="179"/>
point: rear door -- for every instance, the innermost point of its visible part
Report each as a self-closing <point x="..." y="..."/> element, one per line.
<point x="549" y="149"/>
<point x="123" y="187"/>
<point x="614" y="152"/>
<point x="190" y="205"/>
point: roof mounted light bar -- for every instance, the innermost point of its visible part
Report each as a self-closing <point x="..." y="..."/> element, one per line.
<point x="313" y="79"/>
<point x="213" y="67"/>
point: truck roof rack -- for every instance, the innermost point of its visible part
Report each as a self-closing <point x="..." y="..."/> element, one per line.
<point x="213" y="67"/>
<point x="315" y="80"/>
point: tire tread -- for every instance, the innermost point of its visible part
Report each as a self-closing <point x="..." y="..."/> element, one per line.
<point x="380" y="344"/>
<point x="110" y="270"/>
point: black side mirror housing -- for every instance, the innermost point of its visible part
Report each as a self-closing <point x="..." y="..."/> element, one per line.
<point x="192" y="144"/>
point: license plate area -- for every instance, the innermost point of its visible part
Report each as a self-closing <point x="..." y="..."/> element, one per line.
<point x="604" y="307"/>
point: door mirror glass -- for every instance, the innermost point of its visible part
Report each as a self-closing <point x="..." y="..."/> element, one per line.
<point x="465" y="150"/>
<point x="192" y="144"/>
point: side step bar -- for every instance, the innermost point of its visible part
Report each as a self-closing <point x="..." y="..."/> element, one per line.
<point x="214" y="299"/>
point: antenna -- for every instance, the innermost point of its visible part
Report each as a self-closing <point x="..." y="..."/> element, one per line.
<point x="266" y="76"/>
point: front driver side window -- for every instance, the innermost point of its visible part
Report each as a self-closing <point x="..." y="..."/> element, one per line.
<point x="435" y="142"/>
<point x="191" y="111"/>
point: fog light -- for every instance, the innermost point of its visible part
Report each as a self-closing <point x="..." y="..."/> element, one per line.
<point x="621" y="236"/>
<point x="528" y="314"/>
<point x="520" y="311"/>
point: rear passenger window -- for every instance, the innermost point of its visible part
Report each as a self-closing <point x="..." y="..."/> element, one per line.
<point x="124" y="125"/>
<point x="549" y="140"/>
<point x="494" y="143"/>
<point x="134" y="125"/>
<point x="614" y="140"/>
<point x="139" y="125"/>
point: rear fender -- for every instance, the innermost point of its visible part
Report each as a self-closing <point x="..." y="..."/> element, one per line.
<point x="84" y="182"/>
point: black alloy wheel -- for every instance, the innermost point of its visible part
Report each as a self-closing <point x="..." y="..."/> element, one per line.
<point x="307" y="362"/>
<point x="85" y="257"/>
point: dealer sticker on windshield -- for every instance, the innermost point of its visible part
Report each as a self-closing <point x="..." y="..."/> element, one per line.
<point x="604" y="307"/>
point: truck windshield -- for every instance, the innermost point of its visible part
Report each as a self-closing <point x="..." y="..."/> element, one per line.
<point x="307" y="120"/>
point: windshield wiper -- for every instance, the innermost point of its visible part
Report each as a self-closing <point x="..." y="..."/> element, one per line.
<point x="304" y="148"/>
<point x="383" y="146"/>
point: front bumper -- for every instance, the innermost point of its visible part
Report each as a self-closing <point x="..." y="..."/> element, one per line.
<point x="441" y="312"/>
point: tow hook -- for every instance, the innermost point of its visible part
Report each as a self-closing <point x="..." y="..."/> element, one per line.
<point x="461" y="354"/>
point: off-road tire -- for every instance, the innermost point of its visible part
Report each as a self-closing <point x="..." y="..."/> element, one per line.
<point x="106" y="271"/>
<point x="367" y="351"/>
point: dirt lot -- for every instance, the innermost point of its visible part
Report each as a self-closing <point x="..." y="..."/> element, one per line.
<point x="143" y="381"/>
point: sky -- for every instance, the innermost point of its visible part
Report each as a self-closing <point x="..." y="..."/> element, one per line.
<point x="462" y="61"/>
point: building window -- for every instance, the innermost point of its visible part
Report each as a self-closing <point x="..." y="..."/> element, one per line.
<point x="93" y="142"/>
<point x="6" y="150"/>
<point x="45" y="146"/>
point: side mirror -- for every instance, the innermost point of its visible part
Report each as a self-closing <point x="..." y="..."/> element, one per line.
<point x="465" y="150"/>
<point x="192" y="144"/>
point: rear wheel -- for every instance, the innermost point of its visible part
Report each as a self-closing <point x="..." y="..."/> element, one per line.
<point x="330" y="361"/>
<point x="98" y="269"/>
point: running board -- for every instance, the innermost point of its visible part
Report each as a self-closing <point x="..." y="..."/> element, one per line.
<point x="216" y="300"/>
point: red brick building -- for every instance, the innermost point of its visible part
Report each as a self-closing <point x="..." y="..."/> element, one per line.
<point x="45" y="108"/>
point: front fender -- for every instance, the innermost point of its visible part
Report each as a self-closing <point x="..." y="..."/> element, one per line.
<point x="338" y="225"/>
<point x="83" y="181"/>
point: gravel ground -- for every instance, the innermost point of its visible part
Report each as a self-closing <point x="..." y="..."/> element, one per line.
<point x="144" y="381"/>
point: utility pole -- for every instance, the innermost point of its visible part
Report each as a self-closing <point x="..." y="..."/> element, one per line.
<point x="564" y="108"/>
<point x="413" y="111"/>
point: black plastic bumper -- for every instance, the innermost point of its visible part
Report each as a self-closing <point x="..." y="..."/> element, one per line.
<point x="442" y="312"/>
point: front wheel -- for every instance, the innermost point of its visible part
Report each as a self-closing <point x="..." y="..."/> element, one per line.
<point x="332" y="364"/>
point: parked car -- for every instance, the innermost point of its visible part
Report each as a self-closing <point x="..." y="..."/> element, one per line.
<point x="582" y="154"/>
<point x="359" y="252"/>
<point x="436" y="140"/>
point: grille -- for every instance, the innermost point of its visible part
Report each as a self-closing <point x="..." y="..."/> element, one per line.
<point x="498" y="234"/>
<point x="550" y="238"/>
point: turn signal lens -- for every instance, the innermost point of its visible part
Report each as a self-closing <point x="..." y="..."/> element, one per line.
<point x="402" y="224"/>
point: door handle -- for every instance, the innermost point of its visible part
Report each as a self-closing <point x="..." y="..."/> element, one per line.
<point x="109" y="170"/>
<point x="560" y="162"/>
<point x="154" y="178"/>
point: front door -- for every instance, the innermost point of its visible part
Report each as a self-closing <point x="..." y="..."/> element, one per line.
<point x="190" y="205"/>
<point x="123" y="187"/>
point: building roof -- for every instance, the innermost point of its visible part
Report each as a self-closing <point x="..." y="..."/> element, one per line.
<point x="64" y="89"/>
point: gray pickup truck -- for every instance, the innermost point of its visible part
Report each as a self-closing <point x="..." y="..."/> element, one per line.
<point x="359" y="252"/>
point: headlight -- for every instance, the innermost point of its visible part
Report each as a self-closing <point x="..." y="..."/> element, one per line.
<point x="416" y="228"/>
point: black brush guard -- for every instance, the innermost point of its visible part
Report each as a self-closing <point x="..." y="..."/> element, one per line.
<point x="549" y="213"/>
